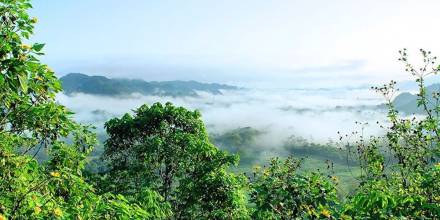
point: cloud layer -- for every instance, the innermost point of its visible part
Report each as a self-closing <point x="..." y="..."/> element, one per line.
<point x="314" y="114"/>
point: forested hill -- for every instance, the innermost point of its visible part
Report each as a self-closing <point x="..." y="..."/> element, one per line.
<point x="100" y="85"/>
<point x="407" y="102"/>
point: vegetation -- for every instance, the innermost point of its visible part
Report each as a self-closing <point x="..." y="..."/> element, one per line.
<point x="240" y="141"/>
<point x="407" y="102"/>
<point x="279" y="192"/>
<point x="401" y="186"/>
<point x="31" y="121"/>
<point x="167" y="149"/>
<point x="160" y="163"/>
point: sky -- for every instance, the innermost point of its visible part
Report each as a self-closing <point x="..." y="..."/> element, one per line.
<point x="278" y="43"/>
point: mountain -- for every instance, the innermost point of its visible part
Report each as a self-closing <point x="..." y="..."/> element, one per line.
<point x="407" y="102"/>
<point x="100" y="85"/>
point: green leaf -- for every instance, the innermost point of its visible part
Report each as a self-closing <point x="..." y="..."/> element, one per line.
<point x="23" y="83"/>
<point x="38" y="47"/>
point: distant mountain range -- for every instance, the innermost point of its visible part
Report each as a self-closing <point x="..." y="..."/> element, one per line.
<point x="407" y="102"/>
<point x="100" y="85"/>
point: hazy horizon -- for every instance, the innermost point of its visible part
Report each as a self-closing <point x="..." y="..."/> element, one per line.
<point x="342" y="43"/>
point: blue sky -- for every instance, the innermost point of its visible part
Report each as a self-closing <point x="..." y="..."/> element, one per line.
<point x="238" y="41"/>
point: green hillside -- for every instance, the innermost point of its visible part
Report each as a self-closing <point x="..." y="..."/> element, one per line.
<point x="407" y="102"/>
<point x="100" y="85"/>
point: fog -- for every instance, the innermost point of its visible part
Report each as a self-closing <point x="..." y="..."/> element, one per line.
<point x="315" y="114"/>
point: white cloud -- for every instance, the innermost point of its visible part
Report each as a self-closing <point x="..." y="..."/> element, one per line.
<point x="279" y="112"/>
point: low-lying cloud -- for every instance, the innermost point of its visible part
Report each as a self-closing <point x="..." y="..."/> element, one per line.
<point x="313" y="114"/>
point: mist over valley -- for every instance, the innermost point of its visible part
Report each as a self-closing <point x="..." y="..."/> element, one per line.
<point x="315" y="114"/>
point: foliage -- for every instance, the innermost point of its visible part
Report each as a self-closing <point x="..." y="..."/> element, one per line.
<point x="31" y="121"/>
<point x="166" y="148"/>
<point x="280" y="192"/>
<point x="149" y="206"/>
<point x="402" y="186"/>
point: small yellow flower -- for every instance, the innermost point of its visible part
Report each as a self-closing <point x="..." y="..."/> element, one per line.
<point x="26" y="47"/>
<point x="49" y="69"/>
<point x="22" y="57"/>
<point x="266" y="172"/>
<point x="34" y="20"/>
<point x="335" y="178"/>
<point x="37" y="210"/>
<point x="345" y="217"/>
<point x="326" y="213"/>
<point x="309" y="211"/>
<point x="57" y="212"/>
<point x="55" y="174"/>
<point x="2" y="217"/>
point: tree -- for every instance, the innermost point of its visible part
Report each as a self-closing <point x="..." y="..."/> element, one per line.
<point x="399" y="168"/>
<point x="166" y="148"/>
<point x="32" y="121"/>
